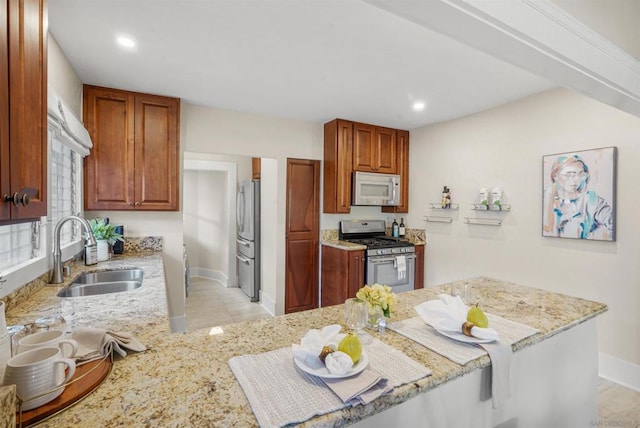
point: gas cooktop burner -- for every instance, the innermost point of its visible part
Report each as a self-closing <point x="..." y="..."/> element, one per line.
<point x="371" y="233"/>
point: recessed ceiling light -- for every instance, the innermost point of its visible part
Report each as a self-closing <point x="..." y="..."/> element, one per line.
<point x="126" y="42"/>
<point x="418" y="106"/>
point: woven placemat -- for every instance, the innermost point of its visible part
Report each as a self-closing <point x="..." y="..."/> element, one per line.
<point x="280" y="393"/>
<point x="419" y="331"/>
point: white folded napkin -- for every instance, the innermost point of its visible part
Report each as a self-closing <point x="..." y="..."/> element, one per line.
<point x="360" y="389"/>
<point x="338" y="363"/>
<point x="308" y="351"/>
<point x="401" y="265"/>
<point x="500" y="355"/>
<point x="95" y="343"/>
<point x="448" y="313"/>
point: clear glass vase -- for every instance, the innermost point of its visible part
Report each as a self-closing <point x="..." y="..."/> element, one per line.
<point x="373" y="316"/>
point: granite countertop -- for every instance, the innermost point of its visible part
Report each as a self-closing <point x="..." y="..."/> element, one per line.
<point x="185" y="380"/>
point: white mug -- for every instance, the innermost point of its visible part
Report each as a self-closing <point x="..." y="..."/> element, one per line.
<point x="39" y="375"/>
<point x="47" y="339"/>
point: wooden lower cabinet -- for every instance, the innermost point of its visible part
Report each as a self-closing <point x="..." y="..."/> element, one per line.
<point x="419" y="281"/>
<point x="342" y="274"/>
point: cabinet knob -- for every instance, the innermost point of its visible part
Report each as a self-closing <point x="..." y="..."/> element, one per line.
<point x="137" y="204"/>
<point x="17" y="199"/>
<point x="130" y="203"/>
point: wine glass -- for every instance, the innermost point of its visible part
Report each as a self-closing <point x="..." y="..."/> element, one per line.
<point x="355" y="314"/>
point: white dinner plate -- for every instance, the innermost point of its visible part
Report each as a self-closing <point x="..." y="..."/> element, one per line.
<point x="324" y="372"/>
<point x="461" y="337"/>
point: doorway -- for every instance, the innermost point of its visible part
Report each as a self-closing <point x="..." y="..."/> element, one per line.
<point x="209" y="212"/>
<point x="204" y="171"/>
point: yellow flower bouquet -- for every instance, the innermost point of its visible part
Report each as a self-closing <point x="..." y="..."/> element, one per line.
<point x="378" y="295"/>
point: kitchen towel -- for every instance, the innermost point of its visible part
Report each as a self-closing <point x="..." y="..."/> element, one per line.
<point x="281" y="394"/>
<point x="401" y="266"/>
<point x="95" y="343"/>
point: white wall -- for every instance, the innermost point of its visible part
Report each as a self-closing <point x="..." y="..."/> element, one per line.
<point x="62" y="78"/>
<point x="206" y="223"/>
<point x="504" y="147"/>
<point x="210" y="130"/>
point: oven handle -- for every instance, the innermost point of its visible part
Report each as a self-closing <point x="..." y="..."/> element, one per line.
<point x="389" y="259"/>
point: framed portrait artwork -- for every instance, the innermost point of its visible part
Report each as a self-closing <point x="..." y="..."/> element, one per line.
<point x="579" y="194"/>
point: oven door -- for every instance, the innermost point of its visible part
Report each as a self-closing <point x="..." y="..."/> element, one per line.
<point x="386" y="270"/>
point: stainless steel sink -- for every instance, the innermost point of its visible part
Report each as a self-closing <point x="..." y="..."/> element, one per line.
<point x="111" y="281"/>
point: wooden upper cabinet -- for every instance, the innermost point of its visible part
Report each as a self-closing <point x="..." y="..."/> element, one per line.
<point x="156" y="153"/>
<point x="351" y="146"/>
<point x="23" y="110"/>
<point x="134" y="161"/>
<point x="374" y="149"/>
<point x="256" y="168"/>
<point x="402" y="146"/>
<point x="338" y="154"/>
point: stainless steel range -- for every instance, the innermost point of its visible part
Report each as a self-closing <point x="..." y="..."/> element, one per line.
<point x="389" y="261"/>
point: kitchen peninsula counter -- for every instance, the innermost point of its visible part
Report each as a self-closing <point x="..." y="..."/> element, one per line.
<point x="185" y="380"/>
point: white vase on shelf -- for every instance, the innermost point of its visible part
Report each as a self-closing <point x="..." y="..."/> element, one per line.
<point x="103" y="250"/>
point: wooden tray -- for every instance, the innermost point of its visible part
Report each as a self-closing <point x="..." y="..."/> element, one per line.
<point x="86" y="378"/>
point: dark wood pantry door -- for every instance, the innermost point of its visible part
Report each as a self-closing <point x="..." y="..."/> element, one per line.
<point x="302" y="235"/>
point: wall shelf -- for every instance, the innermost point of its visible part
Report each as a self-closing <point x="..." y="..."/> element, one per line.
<point x="438" y="219"/>
<point x="483" y="221"/>
<point x="438" y="206"/>
<point x="481" y="207"/>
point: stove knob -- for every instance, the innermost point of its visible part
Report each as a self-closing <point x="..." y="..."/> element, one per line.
<point x="379" y="252"/>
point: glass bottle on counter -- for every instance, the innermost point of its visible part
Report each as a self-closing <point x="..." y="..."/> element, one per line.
<point x="395" y="228"/>
<point x="401" y="228"/>
<point x="444" y="197"/>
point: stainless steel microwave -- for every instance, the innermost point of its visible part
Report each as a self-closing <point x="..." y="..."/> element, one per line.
<point x="370" y="188"/>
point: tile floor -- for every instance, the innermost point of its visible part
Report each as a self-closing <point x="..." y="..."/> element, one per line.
<point x="210" y="304"/>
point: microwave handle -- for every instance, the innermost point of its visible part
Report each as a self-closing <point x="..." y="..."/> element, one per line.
<point x="393" y="190"/>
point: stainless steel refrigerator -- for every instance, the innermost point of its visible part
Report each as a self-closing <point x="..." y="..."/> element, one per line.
<point x="248" y="240"/>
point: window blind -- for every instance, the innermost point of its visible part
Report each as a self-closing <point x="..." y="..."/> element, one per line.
<point x="16" y="244"/>
<point x="63" y="164"/>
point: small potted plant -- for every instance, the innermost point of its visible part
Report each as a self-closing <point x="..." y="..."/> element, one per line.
<point x="106" y="235"/>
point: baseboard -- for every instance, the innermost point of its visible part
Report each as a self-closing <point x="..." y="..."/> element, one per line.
<point x="211" y="274"/>
<point x="178" y="324"/>
<point x="619" y="371"/>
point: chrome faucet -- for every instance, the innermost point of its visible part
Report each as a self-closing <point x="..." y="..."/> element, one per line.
<point x="90" y="241"/>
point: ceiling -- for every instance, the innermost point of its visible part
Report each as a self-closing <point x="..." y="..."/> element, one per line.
<point x="311" y="60"/>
